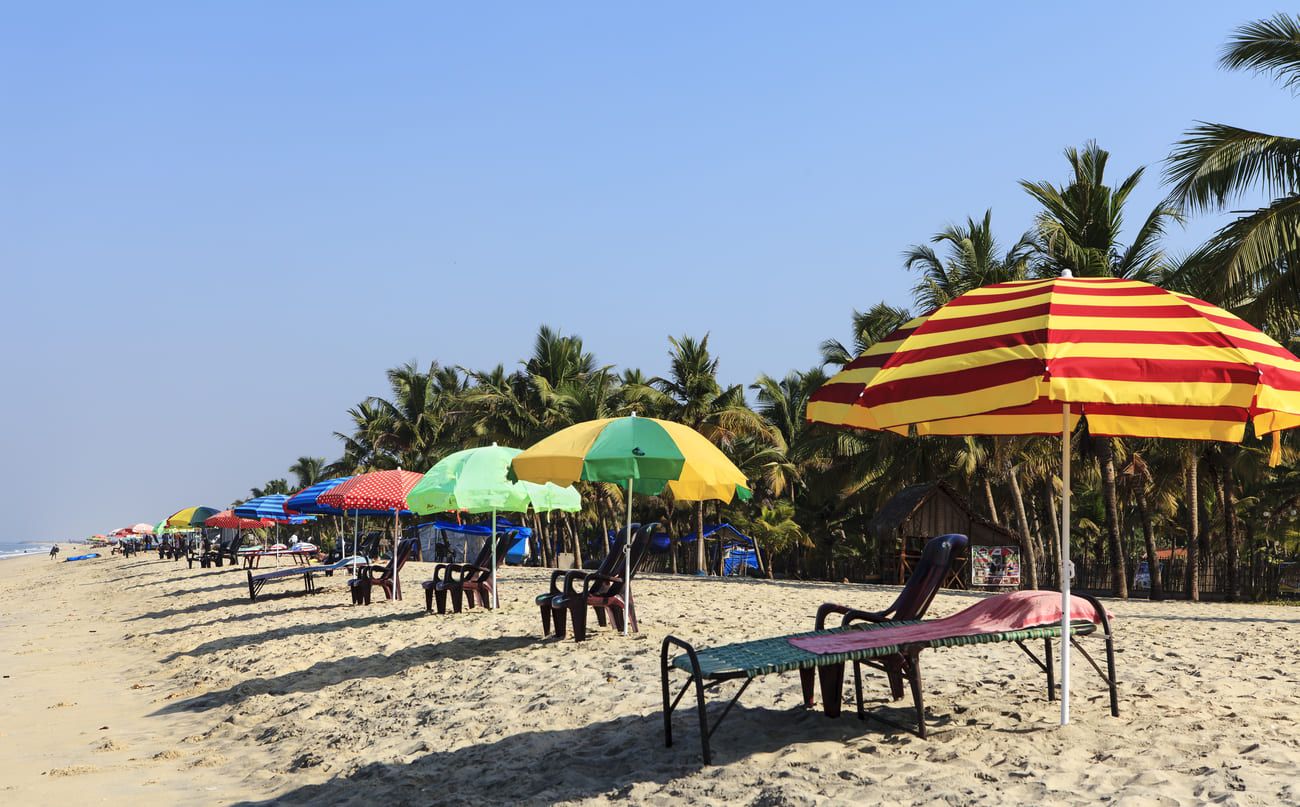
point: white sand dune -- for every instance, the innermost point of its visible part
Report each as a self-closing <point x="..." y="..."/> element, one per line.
<point x="143" y="682"/>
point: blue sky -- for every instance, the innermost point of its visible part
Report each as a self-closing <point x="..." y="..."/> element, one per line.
<point x="221" y="222"/>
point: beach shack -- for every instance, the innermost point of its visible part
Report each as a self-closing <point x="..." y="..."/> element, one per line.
<point x="920" y="512"/>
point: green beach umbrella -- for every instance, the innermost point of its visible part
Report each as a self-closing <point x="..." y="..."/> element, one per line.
<point x="476" y="480"/>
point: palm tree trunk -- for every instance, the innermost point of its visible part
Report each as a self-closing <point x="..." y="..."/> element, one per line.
<point x="1110" y="496"/>
<point x="988" y="498"/>
<point x="1193" y="529"/>
<point x="1231" y="537"/>
<point x="1149" y="535"/>
<point x="1053" y="530"/>
<point x="701" y="558"/>
<point x="1030" y="564"/>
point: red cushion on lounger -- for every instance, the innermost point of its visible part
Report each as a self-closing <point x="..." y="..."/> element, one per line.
<point x="1017" y="610"/>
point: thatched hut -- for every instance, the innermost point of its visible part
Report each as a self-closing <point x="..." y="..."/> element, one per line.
<point x="920" y="512"/>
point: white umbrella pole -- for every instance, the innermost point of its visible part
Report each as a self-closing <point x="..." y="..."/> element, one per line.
<point x="356" y="531"/>
<point x="627" y="565"/>
<point x="397" y="532"/>
<point x="495" y="602"/>
<point x="1065" y="564"/>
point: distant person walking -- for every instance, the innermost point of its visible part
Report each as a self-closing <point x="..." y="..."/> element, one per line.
<point x="54" y="552"/>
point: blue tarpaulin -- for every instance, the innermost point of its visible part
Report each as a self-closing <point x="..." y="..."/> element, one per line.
<point x="431" y="532"/>
<point x="738" y="548"/>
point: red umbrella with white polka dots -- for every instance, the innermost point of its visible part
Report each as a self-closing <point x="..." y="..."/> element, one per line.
<point x="377" y="490"/>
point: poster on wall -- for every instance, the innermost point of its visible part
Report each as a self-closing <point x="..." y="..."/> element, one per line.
<point x="995" y="566"/>
<point x="1142" y="577"/>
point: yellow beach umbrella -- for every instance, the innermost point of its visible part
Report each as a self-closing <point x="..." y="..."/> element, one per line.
<point x="644" y="455"/>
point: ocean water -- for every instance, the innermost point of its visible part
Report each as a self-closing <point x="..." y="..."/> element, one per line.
<point x="17" y="549"/>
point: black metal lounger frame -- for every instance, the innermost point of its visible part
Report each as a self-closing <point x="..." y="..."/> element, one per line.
<point x="906" y="663"/>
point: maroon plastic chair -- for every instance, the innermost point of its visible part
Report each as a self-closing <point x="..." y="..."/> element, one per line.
<point x="603" y="592"/>
<point x="911" y="604"/>
<point x="468" y="581"/>
<point x="564" y="581"/>
<point x="371" y="575"/>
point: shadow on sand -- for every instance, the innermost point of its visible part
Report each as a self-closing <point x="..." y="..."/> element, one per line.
<point x="245" y="640"/>
<point x="262" y="614"/>
<point x="605" y="758"/>
<point x="337" y="671"/>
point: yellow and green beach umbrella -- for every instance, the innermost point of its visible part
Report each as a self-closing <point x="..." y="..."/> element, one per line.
<point x="644" y="455"/>
<point x="191" y="516"/>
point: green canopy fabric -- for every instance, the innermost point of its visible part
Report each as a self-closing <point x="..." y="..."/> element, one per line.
<point x="475" y="481"/>
<point x="553" y="497"/>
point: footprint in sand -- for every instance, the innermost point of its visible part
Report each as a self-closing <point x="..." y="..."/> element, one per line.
<point x="74" y="770"/>
<point x="111" y="745"/>
<point x="62" y="705"/>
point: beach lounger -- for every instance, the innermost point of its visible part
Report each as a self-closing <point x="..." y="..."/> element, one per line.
<point x="371" y="575"/>
<point x="1018" y="617"/>
<point x="468" y="580"/>
<point x="600" y="591"/>
<point x="562" y="580"/>
<point x="308" y="574"/>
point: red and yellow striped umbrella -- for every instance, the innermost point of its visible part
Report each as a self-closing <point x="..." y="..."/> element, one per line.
<point x="1136" y="360"/>
<point x="1032" y="357"/>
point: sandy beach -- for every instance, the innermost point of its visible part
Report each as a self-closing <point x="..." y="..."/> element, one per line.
<point x="143" y="682"/>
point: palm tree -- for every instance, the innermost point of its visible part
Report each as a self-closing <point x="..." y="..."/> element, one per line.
<point x="691" y="394"/>
<point x="308" y="471"/>
<point x="1251" y="263"/>
<point x="973" y="261"/>
<point x="1137" y="480"/>
<point x="1080" y="229"/>
<point x="869" y="327"/>
<point x="1080" y="225"/>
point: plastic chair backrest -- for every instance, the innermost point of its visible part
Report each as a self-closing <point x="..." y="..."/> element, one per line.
<point x="613" y="562"/>
<point x="928" y="576"/>
<point x="405" y="549"/>
<point x="641" y="541"/>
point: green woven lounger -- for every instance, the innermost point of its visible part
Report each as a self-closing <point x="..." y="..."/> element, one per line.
<point x="711" y="667"/>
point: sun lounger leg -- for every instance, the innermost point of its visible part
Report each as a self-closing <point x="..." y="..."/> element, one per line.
<point x="913" y="670"/>
<point x="857" y="688"/>
<point x="832" y="680"/>
<point x="252" y="588"/>
<point x="698" y="681"/>
<point x="1110" y="674"/>
<point x="1051" y="670"/>
<point x="546" y="618"/>
<point x="560" y="616"/>
<point x="631" y="616"/>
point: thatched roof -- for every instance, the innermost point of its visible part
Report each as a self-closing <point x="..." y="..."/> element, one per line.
<point x="900" y="507"/>
<point x="910" y="499"/>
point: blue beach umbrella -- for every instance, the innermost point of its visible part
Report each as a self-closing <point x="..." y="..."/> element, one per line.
<point x="305" y="500"/>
